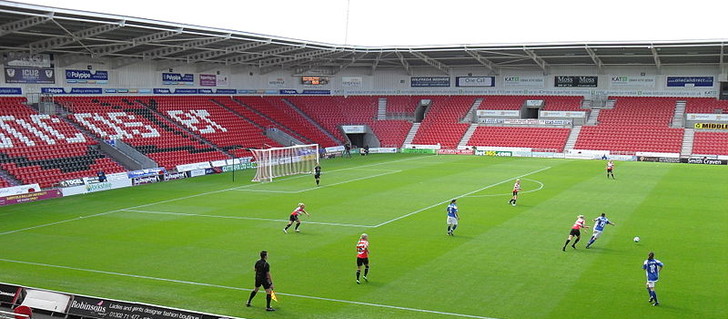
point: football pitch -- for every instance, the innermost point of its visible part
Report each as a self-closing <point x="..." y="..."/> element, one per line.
<point x="192" y="243"/>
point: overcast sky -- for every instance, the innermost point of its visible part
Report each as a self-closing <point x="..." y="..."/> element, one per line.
<point x="435" y="22"/>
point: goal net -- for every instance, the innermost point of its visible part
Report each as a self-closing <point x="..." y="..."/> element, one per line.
<point x="285" y="161"/>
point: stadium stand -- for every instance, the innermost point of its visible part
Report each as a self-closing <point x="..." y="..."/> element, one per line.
<point x="136" y="121"/>
<point x="635" y="124"/>
<point x="45" y="149"/>
<point x="706" y="105"/>
<point x="212" y="122"/>
<point x="285" y="115"/>
<point x="401" y="104"/>
<point x="538" y="138"/>
<point x="710" y="143"/>
<point x="332" y="112"/>
<point x="441" y="124"/>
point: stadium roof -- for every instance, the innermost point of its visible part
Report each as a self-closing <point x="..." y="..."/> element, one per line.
<point x="75" y="36"/>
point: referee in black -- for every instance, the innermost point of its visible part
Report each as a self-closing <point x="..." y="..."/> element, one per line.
<point x="262" y="278"/>
<point x="317" y="174"/>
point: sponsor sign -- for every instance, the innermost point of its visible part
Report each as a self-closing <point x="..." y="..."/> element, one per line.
<point x="353" y="129"/>
<point x="197" y="172"/>
<point x="87" y="77"/>
<point x="185" y="91"/>
<point x="707" y="117"/>
<point x="455" y="152"/>
<point x="534" y="103"/>
<point x="389" y="150"/>
<point x="569" y="114"/>
<point x="318" y="92"/>
<point x="102" y="308"/>
<point x="689" y="81"/>
<point x="523" y="81"/>
<point x="86" y="91"/>
<point x="30" y="197"/>
<point x="493" y="153"/>
<point x="11" y="91"/>
<point x="193" y="166"/>
<point x="351" y="82"/>
<point x="208" y="80"/>
<point x="146" y="172"/>
<point x="204" y="91"/>
<point x="226" y="91"/>
<point x="706" y="161"/>
<point x="72" y="182"/>
<point x="475" y="81"/>
<point x="288" y="91"/>
<point x="502" y="113"/>
<point x="178" y="79"/>
<point x="22" y="189"/>
<point x="238" y="167"/>
<point x="419" y="150"/>
<point x="162" y="91"/>
<point x="632" y="81"/>
<point x="174" y="176"/>
<point x="712" y="126"/>
<point x="430" y="81"/>
<point x="576" y="81"/>
<point x="276" y="82"/>
<point x="53" y="90"/>
<point x="46" y="300"/>
<point x="8" y="293"/>
<point x="30" y="75"/>
<point x="145" y="180"/>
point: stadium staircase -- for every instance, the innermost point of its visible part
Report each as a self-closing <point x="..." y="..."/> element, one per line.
<point x="687" y="143"/>
<point x="441" y="125"/>
<point x="573" y="136"/>
<point x="382" y="109"/>
<point x="472" y="113"/>
<point x="593" y="116"/>
<point x="411" y="134"/>
<point x="468" y="134"/>
<point x="678" y="119"/>
<point x="314" y="123"/>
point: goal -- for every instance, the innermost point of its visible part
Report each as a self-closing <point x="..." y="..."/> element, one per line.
<point x="285" y="161"/>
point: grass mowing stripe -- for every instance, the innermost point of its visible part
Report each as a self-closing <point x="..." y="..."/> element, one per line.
<point x="318" y="187"/>
<point x="187" y="282"/>
<point x="240" y="218"/>
<point x="461" y="195"/>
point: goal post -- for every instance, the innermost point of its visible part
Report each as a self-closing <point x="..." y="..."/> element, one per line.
<point x="285" y="161"/>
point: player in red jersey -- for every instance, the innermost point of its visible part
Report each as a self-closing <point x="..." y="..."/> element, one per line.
<point x="294" y="217"/>
<point x="362" y="257"/>
<point x="610" y="169"/>
<point x="516" y="188"/>
<point x="578" y="224"/>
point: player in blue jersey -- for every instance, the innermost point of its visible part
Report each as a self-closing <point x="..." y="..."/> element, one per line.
<point x="652" y="268"/>
<point x="599" y="224"/>
<point x="452" y="217"/>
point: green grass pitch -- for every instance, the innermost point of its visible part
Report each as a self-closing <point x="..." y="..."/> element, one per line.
<point x="192" y="243"/>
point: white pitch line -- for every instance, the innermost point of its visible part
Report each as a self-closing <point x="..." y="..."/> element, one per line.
<point x="186" y="282"/>
<point x="187" y="197"/>
<point x="462" y="195"/>
<point x="239" y="218"/>
<point x="540" y="187"/>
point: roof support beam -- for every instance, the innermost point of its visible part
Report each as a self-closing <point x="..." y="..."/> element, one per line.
<point x="11" y="27"/>
<point x="269" y="65"/>
<point x="55" y="42"/>
<point x="354" y="58"/>
<point x="492" y="67"/>
<point x="432" y="62"/>
<point x="404" y="62"/>
<point x="658" y="64"/>
<point x="257" y="55"/>
<point x="539" y="61"/>
<point x="134" y="42"/>
<point x="594" y="57"/>
<point x="165" y="51"/>
<point x="376" y="62"/>
<point x="241" y="48"/>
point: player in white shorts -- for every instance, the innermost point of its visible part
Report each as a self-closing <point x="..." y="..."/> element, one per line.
<point x="452" y="217"/>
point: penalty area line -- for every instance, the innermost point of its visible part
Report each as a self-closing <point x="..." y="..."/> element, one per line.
<point x="240" y="218"/>
<point x="202" y="284"/>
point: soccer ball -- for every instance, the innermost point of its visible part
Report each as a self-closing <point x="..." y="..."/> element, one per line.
<point x="636" y="239"/>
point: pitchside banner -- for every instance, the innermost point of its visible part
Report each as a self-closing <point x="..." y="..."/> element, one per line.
<point x="632" y="81"/>
<point x="575" y="81"/>
<point x="101" y="308"/>
<point x="689" y="81"/>
<point x="430" y="81"/>
<point x="523" y="81"/>
<point x="475" y="81"/>
<point x="29" y="75"/>
<point x="87" y="76"/>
